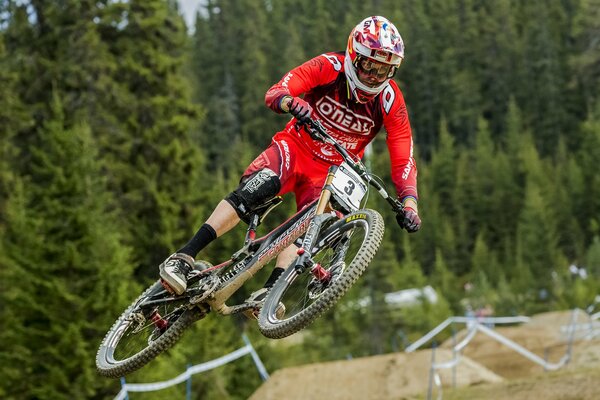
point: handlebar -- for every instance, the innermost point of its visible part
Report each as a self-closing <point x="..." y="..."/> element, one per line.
<point x="318" y="132"/>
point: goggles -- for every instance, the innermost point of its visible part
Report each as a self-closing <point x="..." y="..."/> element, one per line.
<point x="373" y="73"/>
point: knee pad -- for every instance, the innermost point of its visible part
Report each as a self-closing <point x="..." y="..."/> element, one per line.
<point x="253" y="191"/>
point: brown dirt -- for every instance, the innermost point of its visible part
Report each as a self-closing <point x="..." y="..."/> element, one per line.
<point x="488" y="370"/>
<point x="563" y="385"/>
<point x="390" y="376"/>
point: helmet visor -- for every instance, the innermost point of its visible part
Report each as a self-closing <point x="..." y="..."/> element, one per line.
<point x="373" y="73"/>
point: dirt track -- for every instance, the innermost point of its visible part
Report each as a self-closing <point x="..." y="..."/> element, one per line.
<point x="498" y="372"/>
<point x="581" y="384"/>
<point x="390" y="376"/>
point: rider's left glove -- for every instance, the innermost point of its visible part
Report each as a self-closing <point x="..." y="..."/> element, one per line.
<point x="410" y="220"/>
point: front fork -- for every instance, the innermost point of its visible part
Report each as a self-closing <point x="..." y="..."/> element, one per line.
<point x="304" y="260"/>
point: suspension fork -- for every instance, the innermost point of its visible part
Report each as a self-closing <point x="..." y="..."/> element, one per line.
<point x="305" y="261"/>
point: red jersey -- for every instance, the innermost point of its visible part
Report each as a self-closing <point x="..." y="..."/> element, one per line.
<point x="352" y="124"/>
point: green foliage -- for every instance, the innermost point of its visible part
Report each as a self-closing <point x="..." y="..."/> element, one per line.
<point x="586" y="60"/>
<point x="157" y="170"/>
<point x="13" y="117"/>
<point x="66" y="272"/>
<point x="119" y="133"/>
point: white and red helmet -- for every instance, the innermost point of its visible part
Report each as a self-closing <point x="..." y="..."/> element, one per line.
<point x="375" y="51"/>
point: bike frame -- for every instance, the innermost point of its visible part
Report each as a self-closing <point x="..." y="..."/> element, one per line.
<point x="270" y="246"/>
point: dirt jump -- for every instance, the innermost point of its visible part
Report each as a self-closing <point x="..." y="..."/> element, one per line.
<point x="488" y="369"/>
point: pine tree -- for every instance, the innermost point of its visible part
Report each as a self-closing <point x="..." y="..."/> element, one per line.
<point x="66" y="272"/>
<point x="514" y="138"/>
<point x="286" y="33"/>
<point x="443" y="166"/>
<point x="156" y="167"/>
<point x="383" y="270"/>
<point x="592" y="257"/>
<point x="58" y="50"/>
<point x="566" y="201"/>
<point x="538" y="240"/>
<point x="214" y="87"/>
<point x="586" y="60"/>
<point x="316" y="28"/>
<point x="247" y="42"/>
<point x="462" y="222"/>
<point x="544" y="75"/>
<point x="421" y="70"/>
<point x="13" y="118"/>
<point x="485" y="261"/>
<point x="455" y="25"/>
<point x="497" y="58"/>
<point x="588" y="158"/>
<point x="482" y="179"/>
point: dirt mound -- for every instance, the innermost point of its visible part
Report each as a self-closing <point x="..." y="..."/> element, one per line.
<point x="498" y="371"/>
<point x="562" y="385"/>
<point x="391" y="376"/>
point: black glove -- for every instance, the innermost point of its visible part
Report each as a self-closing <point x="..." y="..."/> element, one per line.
<point x="410" y="220"/>
<point x="300" y="109"/>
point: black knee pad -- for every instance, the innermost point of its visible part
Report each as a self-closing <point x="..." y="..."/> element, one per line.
<point x="253" y="191"/>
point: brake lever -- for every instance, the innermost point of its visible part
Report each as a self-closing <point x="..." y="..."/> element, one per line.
<point x="312" y="132"/>
<point x="397" y="206"/>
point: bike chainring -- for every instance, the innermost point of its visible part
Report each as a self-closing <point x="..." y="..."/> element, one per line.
<point x="206" y="287"/>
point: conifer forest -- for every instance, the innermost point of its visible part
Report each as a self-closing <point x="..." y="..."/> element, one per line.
<point x="121" y="129"/>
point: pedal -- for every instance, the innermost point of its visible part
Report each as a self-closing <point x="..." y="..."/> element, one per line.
<point x="251" y="314"/>
<point x="250" y="310"/>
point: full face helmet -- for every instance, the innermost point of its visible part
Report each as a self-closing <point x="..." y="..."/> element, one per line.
<point x="375" y="51"/>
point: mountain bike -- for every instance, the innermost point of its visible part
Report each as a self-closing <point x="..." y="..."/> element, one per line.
<point x="336" y="240"/>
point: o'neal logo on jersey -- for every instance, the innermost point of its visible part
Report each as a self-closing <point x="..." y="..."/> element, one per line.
<point x="343" y="119"/>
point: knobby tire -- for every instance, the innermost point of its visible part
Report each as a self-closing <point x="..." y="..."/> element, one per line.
<point x="120" y="368"/>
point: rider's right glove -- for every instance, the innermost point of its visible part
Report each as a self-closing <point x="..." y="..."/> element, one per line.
<point x="410" y="220"/>
<point x="300" y="109"/>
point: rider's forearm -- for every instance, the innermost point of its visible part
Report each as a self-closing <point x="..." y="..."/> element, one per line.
<point x="274" y="99"/>
<point x="410" y="202"/>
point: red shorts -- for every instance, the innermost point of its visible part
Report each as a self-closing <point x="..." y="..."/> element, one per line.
<point x="298" y="170"/>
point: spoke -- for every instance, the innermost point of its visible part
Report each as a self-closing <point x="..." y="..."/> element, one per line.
<point x="335" y="257"/>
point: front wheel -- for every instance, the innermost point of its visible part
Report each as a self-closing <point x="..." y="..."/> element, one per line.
<point x="345" y="249"/>
<point x="151" y="325"/>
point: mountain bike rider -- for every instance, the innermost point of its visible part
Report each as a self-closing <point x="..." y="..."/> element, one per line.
<point x="353" y="95"/>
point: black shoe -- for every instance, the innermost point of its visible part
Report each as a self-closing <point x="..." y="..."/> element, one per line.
<point x="174" y="271"/>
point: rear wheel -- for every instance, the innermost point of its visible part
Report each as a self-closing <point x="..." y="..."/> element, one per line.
<point x="345" y="249"/>
<point x="144" y="331"/>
